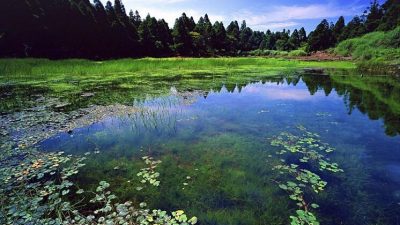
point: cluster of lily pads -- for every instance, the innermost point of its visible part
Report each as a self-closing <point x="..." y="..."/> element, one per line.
<point x="149" y="174"/>
<point x="37" y="188"/>
<point x="307" y="155"/>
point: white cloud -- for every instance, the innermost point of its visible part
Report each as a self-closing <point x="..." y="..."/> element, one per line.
<point x="275" y="26"/>
<point x="288" y="16"/>
<point x="272" y="17"/>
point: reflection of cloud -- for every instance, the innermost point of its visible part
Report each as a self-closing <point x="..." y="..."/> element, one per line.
<point x="281" y="93"/>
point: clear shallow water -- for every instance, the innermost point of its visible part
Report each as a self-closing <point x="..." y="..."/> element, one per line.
<point x="221" y="139"/>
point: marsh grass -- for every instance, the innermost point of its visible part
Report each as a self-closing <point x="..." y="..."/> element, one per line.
<point x="42" y="68"/>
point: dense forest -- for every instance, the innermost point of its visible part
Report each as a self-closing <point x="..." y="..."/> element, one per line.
<point x="85" y="29"/>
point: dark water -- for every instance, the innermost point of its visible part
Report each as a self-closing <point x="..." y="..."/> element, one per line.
<point x="221" y="140"/>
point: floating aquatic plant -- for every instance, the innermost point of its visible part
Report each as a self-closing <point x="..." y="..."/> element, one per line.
<point x="300" y="175"/>
<point x="149" y="174"/>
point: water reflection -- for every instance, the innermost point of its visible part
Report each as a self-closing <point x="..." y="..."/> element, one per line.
<point x="219" y="137"/>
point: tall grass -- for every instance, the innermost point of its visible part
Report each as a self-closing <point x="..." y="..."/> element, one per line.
<point x="375" y="47"/>
<point x="276" y="53"/>
<point x="154" y="66"/>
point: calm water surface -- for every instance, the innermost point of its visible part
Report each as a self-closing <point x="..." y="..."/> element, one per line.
<point x="221" y="140"/>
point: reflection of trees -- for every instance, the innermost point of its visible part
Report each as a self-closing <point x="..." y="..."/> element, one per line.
<point x="318" y="82"/>
<point x="378" y="97"/>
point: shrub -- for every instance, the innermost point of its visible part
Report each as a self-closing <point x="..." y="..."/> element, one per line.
<point x="297" y="52"/>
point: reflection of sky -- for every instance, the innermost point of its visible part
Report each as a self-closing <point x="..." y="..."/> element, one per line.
<point x="281" y="93"/>
<point x="281" y="105"/>
<point x="284" y="92"/>
<point x="256" y="113"/>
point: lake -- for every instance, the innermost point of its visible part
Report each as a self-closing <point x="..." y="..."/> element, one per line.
<point x="217" y="160"/>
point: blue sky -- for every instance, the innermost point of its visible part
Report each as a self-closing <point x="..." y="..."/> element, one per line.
<point x="259" y="14"/>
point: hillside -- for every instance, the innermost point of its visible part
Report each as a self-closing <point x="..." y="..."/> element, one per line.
<point x="377" y="47"/>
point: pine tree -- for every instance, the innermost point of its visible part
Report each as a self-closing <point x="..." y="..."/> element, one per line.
<point x="183" y="43"/>
<point x="353" y="29"/>
<point x="208" y="33"/>
<point x="391" y="15"/>
<point x="135" y="18"/>
<point x="100" y="13"/>
<point x="191" y="24"/>
<point x="338" y="29"/>
<point x="270" y="40"/>
<point x="219" y="37"/>
<point x="112" y="17"/>
<point x="302" y="35"/>
<point x="233" y="29"/>
<point x="233" y="35"/>
<point x="374" y="17"/>
<point x="294" y="40"/>
<point x="244" y="37"/>
<point x="164" y="37"/>
<point x="322" y="37"/>
<point x="119" y="10"/>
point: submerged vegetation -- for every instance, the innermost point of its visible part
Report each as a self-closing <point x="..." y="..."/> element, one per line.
<point x="38" y="188"/>
<point x="220" y="172"/>
<point x="298" y="172"/>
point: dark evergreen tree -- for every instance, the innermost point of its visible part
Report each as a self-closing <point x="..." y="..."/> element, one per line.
<point x="294" y="40"/>
<point x="270" y="40"/>
<point x="233" y="30"/>
<point x="164" y="39"/>
<point x="353" y="29"/>
<point x="374" y="17"/>
<point x="183" y="43"/>
<point x="244" y="37"/>
<point x="255" y="40"/>
<point x="219" y="38"/>
<point x="302" y="35"/>
<point x="233" y="36"/>
<point x="135" y="18"/>
<point x="39" y="28"/>
<point x="391" y="16"/>
<point x="119" y="10"/>
<point x="191" y="24"/>
<point x="207" y="33"/>
<point x="147" y="30"/>
<point x="338" y="29"/>
<point x="321" y="38"/>
<point x="112" y="17"/>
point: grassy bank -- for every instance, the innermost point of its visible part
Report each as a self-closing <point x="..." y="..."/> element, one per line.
<point x="373" y="50"/>
<point x="156" y="66"/>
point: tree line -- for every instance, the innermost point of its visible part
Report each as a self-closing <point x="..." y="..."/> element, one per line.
<point x="82" y="29"/>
